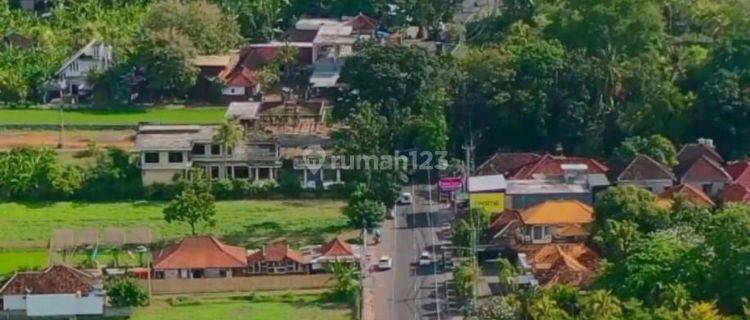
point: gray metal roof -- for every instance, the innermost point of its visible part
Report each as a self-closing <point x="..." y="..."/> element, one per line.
<point x="171" y="137"/>
<point x="243" y="110"/>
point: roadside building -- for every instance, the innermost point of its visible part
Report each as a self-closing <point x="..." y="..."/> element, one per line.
<point x="336" y="250"/>
<point x="199" y="257"/>
<point x="645" y="172"/>
<point x="209" y="86"/>
<point x="167" y="152"/>
<point x="276" y="258"/>
<point x="556" y="221"/>
<point x="487" y="193"/>
<point x="58" y="291"/>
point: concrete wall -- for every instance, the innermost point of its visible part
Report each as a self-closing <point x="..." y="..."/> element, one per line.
<point x="158" y="176"/>
<point x="63" y="304"/>
<point x="14" y="302"/>
<point x="239" y="284"/>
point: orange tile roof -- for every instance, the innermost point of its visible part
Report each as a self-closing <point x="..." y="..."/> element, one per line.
<point x="694" y="195"/>
<point x="571" y="264"/>
<point x="337" y="248"/>
<point x="558" y="212"/>
<point x="200" y="252"/>
<point x="275" y="252"/>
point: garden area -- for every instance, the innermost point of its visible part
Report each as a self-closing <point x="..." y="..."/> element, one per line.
<point x="251" y="223"/>
<point x="125" y="116"/>
<point x="296" y="305"/>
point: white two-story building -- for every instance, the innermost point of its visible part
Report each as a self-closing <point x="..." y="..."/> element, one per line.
<point x="73" y="78"/>
<point x="169" y="152"/>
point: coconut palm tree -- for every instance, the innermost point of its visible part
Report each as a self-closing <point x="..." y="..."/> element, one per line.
<point x="228" y="135"/>
<point x="347" y="284"/>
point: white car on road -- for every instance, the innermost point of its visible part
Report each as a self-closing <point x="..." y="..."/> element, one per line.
<point x="385" y="263"/>
<point x="424" y="259"/>
<point x="406" y="198"/>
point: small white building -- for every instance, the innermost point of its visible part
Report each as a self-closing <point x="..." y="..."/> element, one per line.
<point x="59" y="290"/>
<point x="73" y="78"/>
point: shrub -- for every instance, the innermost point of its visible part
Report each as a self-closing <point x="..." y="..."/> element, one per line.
<point x="125" y="292"/>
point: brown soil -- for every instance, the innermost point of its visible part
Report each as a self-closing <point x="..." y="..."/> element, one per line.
<point x="72" y="140"/>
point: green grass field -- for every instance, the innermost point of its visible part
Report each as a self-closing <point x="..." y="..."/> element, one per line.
<point x="125" y="116"/>
<point x="250" y="222"/>
<point x="260" y="307"/>
<point x="28" y="227"/>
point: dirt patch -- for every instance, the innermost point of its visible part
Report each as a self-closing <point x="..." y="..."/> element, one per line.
<point x="72" y="140"/>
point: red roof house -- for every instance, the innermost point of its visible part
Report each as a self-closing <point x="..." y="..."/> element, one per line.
<point x="59" y="290"/>
<point x="705" y="174"/>
<point x="337" y="249"/>
<point x="277" y="258"/>
<point x="551" y="166"/>
<point x="199" y="257"/>
<point x="740" y="172"/>
<point x="506" y="163"/>
<point x="736" y="193"/>
<point x="648" y="173"/>
<point x="691" y="194"/>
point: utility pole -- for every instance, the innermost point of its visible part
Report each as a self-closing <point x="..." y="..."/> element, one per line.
<point x="468" y="168"/>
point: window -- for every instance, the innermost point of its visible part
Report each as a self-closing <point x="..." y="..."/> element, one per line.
<point x="264" y="173"/>
<point x="215" y="149"/>
<point x="198" y="149"/>
<point x="175" y="157"/>
<point x="151" y="157"/>
<point x="537" y="232"/>
<point x="214" y="172"/>
<point x="241" y="172"/>
<point x="74" y="66"/>
<point x="707" y="188"/>
<point x="329" y="175"/>
<point x="228" y="172"/>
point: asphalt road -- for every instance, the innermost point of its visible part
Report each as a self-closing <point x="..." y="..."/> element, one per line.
<point x="408" y="291"/>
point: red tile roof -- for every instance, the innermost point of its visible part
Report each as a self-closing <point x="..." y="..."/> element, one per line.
<point x="506" y="163"/>
<point x="570" y="264"/>
<point x="275" y="252"/>
<point x="694" y="195"/>
<point x="740" y="172"/>
<point x="200" y="252"/>
<point x="337" y="248"/>
<point x="704" y="169"/>
<point x="644" y="167"/>
<point x="57" y="279"/>
<point x="362" y="23"/>
<point x="550" y="166"/>
<point x="692" y="151"/>
<point x="736" y="193"/>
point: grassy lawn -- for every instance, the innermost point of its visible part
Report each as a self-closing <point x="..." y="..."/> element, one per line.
<point x="249" y="223"/>
<point x="114" y="116"/>
<point x="256" y="307"/>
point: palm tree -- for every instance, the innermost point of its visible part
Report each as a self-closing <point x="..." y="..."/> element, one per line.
<point x="601" y="304"/>
<point x="228" y="135"/>
<point x="287" y="57"/>
<point x="347" y="284"/>
<point x="509" y="274"/>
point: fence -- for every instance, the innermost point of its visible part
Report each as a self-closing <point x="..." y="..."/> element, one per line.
<point x="239" y="284"/>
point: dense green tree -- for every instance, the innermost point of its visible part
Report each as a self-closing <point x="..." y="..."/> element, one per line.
<point x="364" y="213"/>
<point x="667" y="257"/>
<point x="203" y="23"/>
<point x="729" y="243"/>
<point x="259" y="20"/>
<point x="194" y="205"/>
<point x="628" y="202"/>
<point x="166" y="57"/>
<point x="126" y="292"/>
<point x="724" y="97"/>
<point x="657" y="147"/>
<point x="414" y="93"/>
